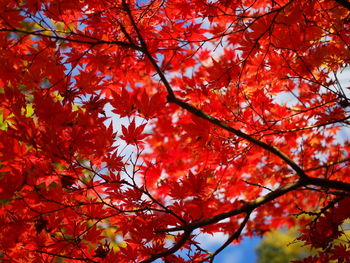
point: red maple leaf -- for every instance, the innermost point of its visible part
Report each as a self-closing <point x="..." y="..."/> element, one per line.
<point x="133" y="134"/>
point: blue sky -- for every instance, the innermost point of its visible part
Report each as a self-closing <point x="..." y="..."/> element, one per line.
<point x="241" y="253"/>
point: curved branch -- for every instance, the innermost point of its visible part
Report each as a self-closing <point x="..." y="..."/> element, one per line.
<point x="344" y="3"/>
<point x="246" y="208"/>
<point x="217" y="122"/>
<point x="146" y="51"/>
<point x="173" y="99"/>
<point x="326" y="183"/>
<point x="66" y="257"/>
<point x="250" y="206"/>
<point x="91" y="42"/>
<point x="233" y="237"/>
<point x="171" y="250"/>
<point x="326" y="165"/>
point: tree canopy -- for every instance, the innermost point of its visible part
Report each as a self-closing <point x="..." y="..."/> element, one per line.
<point x="234" y="111"/>
<point x="281" y="246"/>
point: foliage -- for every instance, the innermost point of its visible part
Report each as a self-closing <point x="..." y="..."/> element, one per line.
<point x="233" y="111"/>
<point x="284" y="245"/>
<point x="281" y="246"/>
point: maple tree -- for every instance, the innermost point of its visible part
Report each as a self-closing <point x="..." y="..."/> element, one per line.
<point x="232" y="108"/>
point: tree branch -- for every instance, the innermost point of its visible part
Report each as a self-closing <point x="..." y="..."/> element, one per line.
<point x="326" y="165"/>
<point x="171" y="250"/>
<point x="344" y="3"/>
<point x="92" y="42"/>
<point x="66" y="257"/>
<point x="246" y="208"/>
<point x="250" y="206"/>
<point x="326" y="183"/>
<point x="173" y="99"/>
<point x="146" y="51"/>
<point x="239" y="133"/>
<point x="233" y="237"/>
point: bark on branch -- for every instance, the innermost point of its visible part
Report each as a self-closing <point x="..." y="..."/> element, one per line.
<point x="173" y="99"/>
<point x="344" y="3"/>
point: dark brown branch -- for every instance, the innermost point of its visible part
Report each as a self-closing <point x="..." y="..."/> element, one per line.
<point x="171" y="250"/>
<point x="147" y="53"/>
<point x="233" y="237"/>
<point x="91" y="42"/>
<point x="326" y="165"/>
<point x="326" y="183"/>
<point x="239" y="133"/>
<point x="250" y="206"/>
<point x="304" y="179"/>
<point x="173" y="99"/>
<point x="344" y="3"/>
<point x="66" y="257"/>
<point x="246" y="208"/>
<point x="310" y="127"/>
